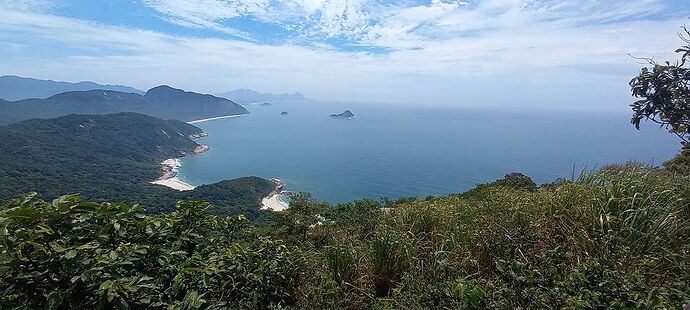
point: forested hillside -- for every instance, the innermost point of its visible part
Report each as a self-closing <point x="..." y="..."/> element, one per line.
<point x="110" y="157"/>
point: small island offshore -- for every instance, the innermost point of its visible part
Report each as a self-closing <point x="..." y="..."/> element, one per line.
<point x="345" y="115"/>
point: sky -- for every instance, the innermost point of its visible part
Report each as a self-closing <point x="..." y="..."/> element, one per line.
<point x="558" y="54"/>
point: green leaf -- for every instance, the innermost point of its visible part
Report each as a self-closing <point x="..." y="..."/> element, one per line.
<point x="70" y="254"/>
<point x="207" y="280"/>
<point x="57" y="247"/>
<point x="54" y="300"/>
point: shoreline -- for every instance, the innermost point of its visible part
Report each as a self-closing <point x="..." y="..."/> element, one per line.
<point x="171" y="166"/>
<point x="213" y="118"/>
<point x="169" y="178"/>
<point x="272" y="201"/>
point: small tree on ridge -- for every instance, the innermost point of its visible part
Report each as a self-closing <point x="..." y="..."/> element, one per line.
<point x="664" y="93"/>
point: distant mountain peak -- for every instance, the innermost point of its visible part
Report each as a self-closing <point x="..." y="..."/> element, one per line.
<point x="165" y="88"/>
<point x="15" y="88"/>
<point x="163" y="101"/>
<point x="246" y="96"/>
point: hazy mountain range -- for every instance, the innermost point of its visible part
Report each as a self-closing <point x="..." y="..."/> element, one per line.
<point x="24" y="98"/>
<point x="162" y="101"/>
<point x="14" y="88"/>
<point x="246" y="96"/>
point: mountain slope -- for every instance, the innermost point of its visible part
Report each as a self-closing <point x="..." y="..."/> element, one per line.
<point x="163" y="101"/>
<point x="4" y="117"/>
<point x="110" y="157"/>
<point x="68" y="150"/>
<point x="245" y="96"/>
<point x="167" y="102"/>
<point x="19" y="88"/>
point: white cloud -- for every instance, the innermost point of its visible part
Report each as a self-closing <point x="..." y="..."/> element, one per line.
<point x="329" y="18"/>
<point x="493" y="51"/>
<point x="378" y="23"/>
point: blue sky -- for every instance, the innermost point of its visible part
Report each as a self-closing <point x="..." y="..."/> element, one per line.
<point x="506" y="53"/>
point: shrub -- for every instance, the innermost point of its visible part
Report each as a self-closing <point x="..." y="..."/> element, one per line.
<point x="71" y="254"/>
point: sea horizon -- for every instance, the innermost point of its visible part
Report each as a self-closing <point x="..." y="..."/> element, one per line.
<point x="414" y="151"/>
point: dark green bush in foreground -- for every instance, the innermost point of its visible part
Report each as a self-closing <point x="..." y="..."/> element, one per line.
<point x="72" y="254"/>
<point x="619" y="238"/>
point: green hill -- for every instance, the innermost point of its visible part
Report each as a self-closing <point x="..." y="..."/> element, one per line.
<point x="162" y="102"/>
<point x="110" y="157"/>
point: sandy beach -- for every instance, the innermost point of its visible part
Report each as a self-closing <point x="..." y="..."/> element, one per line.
<point x="272" y="201"/>
<point x="169" y="178"/>
<point x="170" y="168"/>
<point x="174" y="183"/>
<point x="213" y="118"/>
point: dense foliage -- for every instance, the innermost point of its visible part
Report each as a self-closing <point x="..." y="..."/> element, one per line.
<point x="618" y="238"/>
<point x="664" y="92"/>
<point x="111" y="158"/>
<point x="72" y="254"/>
<point x="680" y="163"/>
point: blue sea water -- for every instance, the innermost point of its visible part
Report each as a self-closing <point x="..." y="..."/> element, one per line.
<point x="391" y="151"/>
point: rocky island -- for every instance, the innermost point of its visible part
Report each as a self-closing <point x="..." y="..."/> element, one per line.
<point x="346" y="115"/>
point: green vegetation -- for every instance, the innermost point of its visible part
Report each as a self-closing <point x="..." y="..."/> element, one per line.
<point x="72" y="254"/>
<point x="618" y="238"/>
<point x="162" y="101"/>
<point x="112" y="158"/>
<point x="664" y="92"/>
<point x="681" y="163"/>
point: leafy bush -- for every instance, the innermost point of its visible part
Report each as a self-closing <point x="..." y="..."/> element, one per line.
<point x="72" y="254"/>
<point x="681" y="163"/>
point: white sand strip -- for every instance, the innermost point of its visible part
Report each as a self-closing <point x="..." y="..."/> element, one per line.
<point x="169" y="178"/>
<point x="213" y="118"/>
<point x="175" y="184"/>
<point x="273" y="203"/>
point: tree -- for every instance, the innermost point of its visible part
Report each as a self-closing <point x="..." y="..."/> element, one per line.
<point x="664" y="92"/>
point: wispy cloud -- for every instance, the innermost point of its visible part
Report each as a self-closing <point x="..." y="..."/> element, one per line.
<point x="405" y="24"/>
<point x="453" y="52"/>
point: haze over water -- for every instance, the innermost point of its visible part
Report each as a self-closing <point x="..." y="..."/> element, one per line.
<point x="406" y="151"/>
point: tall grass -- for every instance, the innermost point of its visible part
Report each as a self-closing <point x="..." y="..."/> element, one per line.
<point x="618" y="237"/>
<point x="389" y="258"/>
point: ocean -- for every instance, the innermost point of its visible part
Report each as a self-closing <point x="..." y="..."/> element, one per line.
<point x="395" y="152"/>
